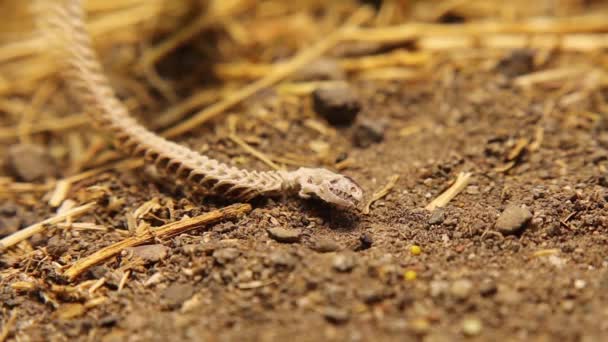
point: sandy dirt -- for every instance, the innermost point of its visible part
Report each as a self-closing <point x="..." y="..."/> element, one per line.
<point x="300" y="270"/>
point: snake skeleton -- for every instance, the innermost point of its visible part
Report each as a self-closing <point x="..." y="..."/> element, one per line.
<point x="84" y="75"/>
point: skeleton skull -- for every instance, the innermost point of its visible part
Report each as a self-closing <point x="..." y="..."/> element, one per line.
<point x="328" y="186"/>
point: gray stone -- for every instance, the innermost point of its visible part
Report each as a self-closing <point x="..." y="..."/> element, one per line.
<point x="284" y="235"/>
<point x="226" y="255"/>
<point x="149" y="253"/>
<point x="437" y="216"/>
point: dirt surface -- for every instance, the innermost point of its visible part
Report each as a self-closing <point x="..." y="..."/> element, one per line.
<point x="297" y="269"/>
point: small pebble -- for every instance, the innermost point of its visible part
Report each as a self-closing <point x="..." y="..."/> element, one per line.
<point x="471" y="326"/>
<point x="109" y="320"/>
<point x="225" y="255"/>
<point x="55" y="247"/>
<point x="568" y="305"/>
<point x="461" y="288"/>
<point x="410" y="275"/>
<point x="420" y="326"/>
<point x="175" y="294"/>
<point x="371" y="293"/>
<point x="513" y="219"/>
<point x="325" y="245"/>
<point x="149" y="253"/>
<point x="343" y="262"/>
<point x="394" y="325"/>
<point x="438" y="288"/>
<point x="28" y="162"/>
<point x="488" y="288"/>
<point x="580" y="284"/>
<point x="437" y="216"/>
<point x="365" y="242"/>
<point x="338" y="104"/>
<point x="415" y="250"/>
<point x="368" y="132"/>
<point x="336" y="315"/>
<point x="283" y="259"/>
<point x="284" y="235"/>
<point x="472" y="190"/>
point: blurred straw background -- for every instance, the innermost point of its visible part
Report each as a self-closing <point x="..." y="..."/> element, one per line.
<point x="185" y="62"/>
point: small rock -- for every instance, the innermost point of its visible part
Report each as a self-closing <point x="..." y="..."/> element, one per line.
<point x="437" y="216"/>
<point x="343" y="262"/>
<point x="55" y="247"/>
<point x="336" y="315"/>
<point x="513" y="219"/>
<point x="509" y="296"/>
<point x="420" y="326"/>
<point x="149" y="253"/>
<point x="226" y="255"/>
<point x="284" y="235"/>
<point x="461" y="289"/>
<point x="568" y="305"/>
<point x="283" y="259"/>
<point x="325" y="245"/>
<point x="519" y="62"/>
<point x="471" y="326"/>
<point x="580" y="284"/>
<point x="174" y="295"/>
<point x="368" y="132"/>
<point x="321" y="69"/>
<point x="29" y="162"/>
<point x="394" y="325"/>
<point x="365" y="242"/>
<point x="488" y="288"/>
<point x="338" y="104"/>
<point x="109" y="320"/>
<point x="438" y="288"/>
<point x="473" y="190"/>
<point x="556" y="261"/>
<point x="373" y="293"/>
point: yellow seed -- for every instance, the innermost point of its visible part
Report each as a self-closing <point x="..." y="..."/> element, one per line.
<point x="415" y="250"/>
<point x="410" y="275"/>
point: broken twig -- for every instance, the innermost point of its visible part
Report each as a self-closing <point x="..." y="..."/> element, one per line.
<point x="461" y="182"/>
<point x="163" y="232"/>
<point x="381" y="192"/>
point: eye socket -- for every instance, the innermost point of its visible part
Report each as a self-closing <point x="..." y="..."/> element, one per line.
<point x="352" y="180"/>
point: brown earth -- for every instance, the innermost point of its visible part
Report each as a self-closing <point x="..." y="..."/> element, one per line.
<point x="350" y="276"/>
